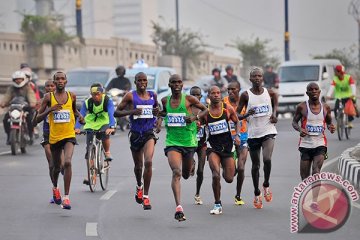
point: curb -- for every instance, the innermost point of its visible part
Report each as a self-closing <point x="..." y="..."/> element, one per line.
<point x="349" y="167"/>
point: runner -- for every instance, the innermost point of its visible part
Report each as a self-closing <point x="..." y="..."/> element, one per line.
<point x="261" y="107"/>
<point x="219" y="152"/>
<point x="313" y="143"/>
<point x="99" y="116"/>
<point x="62" y="106"/>
<point x="201" y="148"/>
<point x="143" y="109"/>
<point x="242" y="149"/>
<point x="49" y="87"/>
<point x="180" y="136"/>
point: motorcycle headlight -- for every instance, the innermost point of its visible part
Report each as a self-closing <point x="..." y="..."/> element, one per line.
<point x="15" y="114"/>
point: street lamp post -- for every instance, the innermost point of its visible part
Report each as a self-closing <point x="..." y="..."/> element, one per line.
<point x="287" y="34"/>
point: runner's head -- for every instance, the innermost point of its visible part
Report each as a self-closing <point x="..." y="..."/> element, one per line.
<point x="233" y="90"/>
<point x="214" y="94"/>
<point x="97" y="91"/>
<point x="256" y="77"/>
<point x="49" y="86"/>
<point x="141" y="81"/>
<point x="313" y="91"/>
<point x="196" y="92"/>
<point x="60" y="80"/>
<point x="175" y="83"/>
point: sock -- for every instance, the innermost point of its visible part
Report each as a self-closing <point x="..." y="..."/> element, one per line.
<point x="66" y="197"/>
<point x="145" y="196"/>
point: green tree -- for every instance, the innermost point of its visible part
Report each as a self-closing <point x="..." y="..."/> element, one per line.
<point x="186" y="44"/>
<point x="39" y="30"/>
<point x="256" y="53"/>
<point x="345" y="56"/>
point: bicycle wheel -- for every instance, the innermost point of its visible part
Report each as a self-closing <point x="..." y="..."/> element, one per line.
<point x="347" y="128"/>
<point x="103" y="169"/>
<point x="90" y="162"/>
<point x="340" y="125"/>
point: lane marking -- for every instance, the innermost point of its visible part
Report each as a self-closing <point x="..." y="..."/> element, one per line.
<point x="355" y="204"/>
<point x="5" y="153"/>
<point x="329" y="162"/>
<point x="91" y="230"/>
<point x="108" y="195"/>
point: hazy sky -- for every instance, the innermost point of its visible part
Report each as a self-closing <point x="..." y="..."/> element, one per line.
<point x="316" y="26"/>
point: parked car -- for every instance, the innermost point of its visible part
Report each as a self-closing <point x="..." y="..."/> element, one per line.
<point x="158" y="77"/>
<point x="80" y="80"/>
<point x="294" y="76"/>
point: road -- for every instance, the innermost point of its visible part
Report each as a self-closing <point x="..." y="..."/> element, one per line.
<point x="114" y="214"/>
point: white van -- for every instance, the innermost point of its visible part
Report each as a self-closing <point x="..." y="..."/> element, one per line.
<point x="294" y="76"/>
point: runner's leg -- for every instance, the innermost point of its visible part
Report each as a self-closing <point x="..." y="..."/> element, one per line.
<point x="241" y="170"/>
<point x="68" y="153"/>
<point x="255" y="159"/>
<point x="175" y="162"/>
<point x="267" y="149"/>
<point x="200" y="170"/>
<point x="148" y="156"/>
<point x="214" y="163"/>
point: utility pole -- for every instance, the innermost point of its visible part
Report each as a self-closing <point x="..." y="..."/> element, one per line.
<point x="354" y="10"/>
<point x="177" y="15"/>
<point x="79" y="32"/>
<point x="287" y="34"/>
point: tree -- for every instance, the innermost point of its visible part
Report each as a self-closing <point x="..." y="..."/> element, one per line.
<point x="41" y="30"/>
<point x="345" y="56"/>
<point x="256" y="53"/>
<point x="186" y="44"/>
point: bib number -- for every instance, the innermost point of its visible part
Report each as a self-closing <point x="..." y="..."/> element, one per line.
<point x="261" y="110"/>
<point x="62" y="116"/>
<point x="314" y="130"/>
<point x="200" y="133"/>
<point x="146" y="111"/>
<point x="176" y="119"/>
<point x="218" y="127"/>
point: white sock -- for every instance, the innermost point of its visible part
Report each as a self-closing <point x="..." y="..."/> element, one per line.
<point x="145" y="196"/>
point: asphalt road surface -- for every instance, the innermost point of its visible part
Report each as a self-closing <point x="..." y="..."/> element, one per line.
<point x="113" y="214"/>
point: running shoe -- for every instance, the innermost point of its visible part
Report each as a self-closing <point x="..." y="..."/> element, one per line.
<point x="139" y="194"/>
<point x="258" y="202"/>
<point x="57" y="196"/>
<point x="179" y="214"/>
<point x="239" y="201"/>
<point x="198" y="200"/>
<point x="86" y="182"/>
<point x="350" y="125"/>
<point x="51" y="200"/>
<point x="66" y="204"/>
<point x="267" y="194"/>
<point x="216" y="210"/>
<point x="315" y="207"/>
<point x="146" y="204"/>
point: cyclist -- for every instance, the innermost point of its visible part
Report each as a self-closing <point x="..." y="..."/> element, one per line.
<point x="19" y="87"/>
<point x="343" y="86"/>
<point x="143" y="109"/>
<point x="99" y="116"/>
<point x="242" y="149"/>
<point x="201" y="148"/>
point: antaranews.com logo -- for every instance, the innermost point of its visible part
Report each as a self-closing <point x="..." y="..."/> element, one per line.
<point x="321" y="203"/>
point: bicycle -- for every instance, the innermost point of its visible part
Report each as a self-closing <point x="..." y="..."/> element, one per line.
<point x="95" y="162"/>
<point x="342" y="121"/>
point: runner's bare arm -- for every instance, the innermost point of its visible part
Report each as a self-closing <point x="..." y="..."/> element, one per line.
<point x="328" y="119"/>
<point x="75" y="110"/>
<point x="297" y="117"/>
<point x="126" y="106"/>
<point x="193" y="102"/>
<point x="274" y="104"/>
<point x="244" y="99"/>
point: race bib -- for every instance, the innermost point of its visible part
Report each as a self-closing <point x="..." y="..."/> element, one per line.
<point x="62" y="116"/>
<point x="200" y="133"/>
<point x="232" y="127"/>
<point x="261" y="110"/>
<point x="314" y="130"/>
<point x="218" y="127"/>
<point x="176" y="119"/>
<point x="146" y="111"/>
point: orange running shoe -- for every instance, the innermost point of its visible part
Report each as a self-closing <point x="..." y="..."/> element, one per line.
<point x="139" y="195"/>
<point x="146" y="203"/>
<point x="267" y="194"/>
<point x="179" y="214"/>
<point x="258" y="202"/>
<point x="66" y="204"/>
<point x="56" y="196"/>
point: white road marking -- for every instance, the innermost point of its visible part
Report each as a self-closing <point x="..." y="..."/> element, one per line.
<point x="355" y="204"/>
<point x="108" y="195"/>
<point x="329" y="162"/>
<point x="5" y="153"/>
<point x="91" y="230"/>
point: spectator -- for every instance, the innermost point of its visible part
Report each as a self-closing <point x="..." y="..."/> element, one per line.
<point x="230" y="77"/>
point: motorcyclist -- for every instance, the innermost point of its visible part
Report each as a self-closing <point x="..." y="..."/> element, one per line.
<point x="19" y="87"/>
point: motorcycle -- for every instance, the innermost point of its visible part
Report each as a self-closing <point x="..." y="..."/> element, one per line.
<point x="18" y="127"/>
<point x="116" y="96"/>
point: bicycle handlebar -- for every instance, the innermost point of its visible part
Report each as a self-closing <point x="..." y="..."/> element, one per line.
<point x="84" y="132"/>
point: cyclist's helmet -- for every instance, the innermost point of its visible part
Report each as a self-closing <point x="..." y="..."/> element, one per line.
<point x="120" y="70"/>
<point x="19" y="75"/>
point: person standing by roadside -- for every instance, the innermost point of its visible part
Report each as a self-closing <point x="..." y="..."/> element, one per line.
<point x="180" y="136"/>
<point x="242" y="149"/>
<point x="61" y="108"/>
<point x="218" y="81"/>
<point x="230" y="76"/>
<point x="261" y="107"/>
<point x="313" y="116"/>
<point x="143" y="109"/>
<point x="220" y="140"/>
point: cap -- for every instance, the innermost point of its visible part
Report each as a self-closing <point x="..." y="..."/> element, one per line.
<point x="340" y="69"/>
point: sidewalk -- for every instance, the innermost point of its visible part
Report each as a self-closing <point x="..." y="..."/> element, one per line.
<point x="349" y="165"/>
